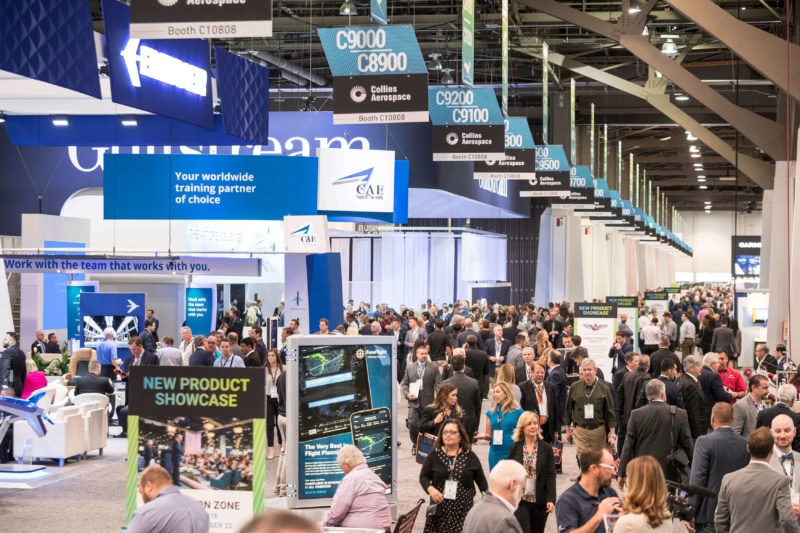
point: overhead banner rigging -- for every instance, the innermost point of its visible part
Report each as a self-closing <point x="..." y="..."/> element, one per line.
<point x="467" y="125"/>
<point x="552" y="174"/>
<point x="379" y="75"/>
<point x="467" y="42"/>
<point x="207" y="19"/>
<point x="520" y="160"/>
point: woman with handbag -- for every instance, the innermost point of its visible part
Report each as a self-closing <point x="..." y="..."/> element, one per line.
<point x="536" y="455"/>
<point x="501" y="421"/>
<point x="449" y="476"/>
<point x="444" y="407"/>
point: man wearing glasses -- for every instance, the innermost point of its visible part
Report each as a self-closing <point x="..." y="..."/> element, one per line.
<point x="582" y="506"/>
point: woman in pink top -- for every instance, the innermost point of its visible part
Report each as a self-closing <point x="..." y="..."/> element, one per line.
<point x="360" y="500"/>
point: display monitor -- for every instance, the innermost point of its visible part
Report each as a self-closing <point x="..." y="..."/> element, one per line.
<point x="747" y="265"/>
<point x="760" y="315"/>
<point x="125" y="328"/>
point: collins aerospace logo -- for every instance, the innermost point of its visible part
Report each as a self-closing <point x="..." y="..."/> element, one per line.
<point x="358" y="94"/>
<point x="452" y="138"/>
<point x="167" y="3"/>
<point x="305" y="235"/>
<point x="364" y="190"/>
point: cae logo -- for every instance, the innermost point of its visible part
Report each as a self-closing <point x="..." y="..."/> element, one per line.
<point x="364" y="190"/>
<point x="305" y="235"/>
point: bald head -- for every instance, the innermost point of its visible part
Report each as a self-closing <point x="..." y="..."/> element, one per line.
<point x="783" y="431"/>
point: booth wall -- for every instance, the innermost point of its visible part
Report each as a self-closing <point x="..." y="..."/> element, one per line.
<point x="709" y="236"/>
<point x="166" y="299"/>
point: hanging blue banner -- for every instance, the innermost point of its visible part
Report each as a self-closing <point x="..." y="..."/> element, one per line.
<point x="467" y="124"/>
<point x="201" y="307"/>
<point x="520" y="160"/>
<point x="552" y="174"/>
<point x="377" y="11"/>
<point x="122" y="312"/>
<point x="243" y="87"/>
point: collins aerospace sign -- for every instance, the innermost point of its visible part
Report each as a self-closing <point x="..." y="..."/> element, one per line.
<point x="520" y="161"/>
<point x="170" y="78"/>
<point x="204" y="19"/>
<point x="467" y="125"/>
<point x="379" y="75"/>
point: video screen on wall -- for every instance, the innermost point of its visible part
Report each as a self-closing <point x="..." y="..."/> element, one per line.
<point x="125" y="327"/>
<point x="747" y="265"/>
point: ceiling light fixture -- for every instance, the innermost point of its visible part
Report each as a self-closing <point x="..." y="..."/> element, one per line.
<point x="645" y="31"/>
<point x="681" y="98"/>
<point x="60" y="121"/>
<point x="707" y="202"/>
<point x="447" y="78"/>
<point x="434" y="63"/>
<point x="669" y="36"/>
<point x="669" y="49"/>
<point x="696" y="155"/>
<point x="701" y="177"/>
<point x="703" y="187"/>
<point x="348" y="8"/>
<point x="634" y="9"/>
<point x="668" y="137"/>
<point x="694" y="148"/>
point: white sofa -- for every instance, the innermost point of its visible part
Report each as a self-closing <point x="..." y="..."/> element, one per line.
<point x="65" y="438"/>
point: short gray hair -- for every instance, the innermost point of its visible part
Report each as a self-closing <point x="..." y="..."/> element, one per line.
<point x="588" y="361"/>
<point x="787" y="393"/>
<point x="109" y="332"/>
<point x="691" y="361"/>
<point x="187" y="328"/>
<point x="654" y="389"/>
<point x="710" y="358"/>
<point x="504" y="473"/>
<point x="198" y="341"/>
<point x="663" y="342"/>
<point x="350" y="455"/>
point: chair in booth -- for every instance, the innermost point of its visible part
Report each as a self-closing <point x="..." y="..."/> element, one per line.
<point x="90" y="397"/>
<point x="61" y="396"/>
<point x="64" y="438"/>
<point x="236" y="478"/>
<point x="46" y="401"/>
<point x="405" y="522"/>
<point x="95" y="422"/>
<point x="79" y="362"/>
<point x="222" y="481"/>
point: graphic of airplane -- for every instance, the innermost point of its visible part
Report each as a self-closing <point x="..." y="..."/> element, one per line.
<point x="28" y="410"/>
<point x="596" y="327"/>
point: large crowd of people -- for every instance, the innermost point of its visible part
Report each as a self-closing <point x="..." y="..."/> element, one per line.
<point x="677" y="412"/>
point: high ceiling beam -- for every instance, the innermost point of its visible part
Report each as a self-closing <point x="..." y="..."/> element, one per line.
<point x="765" y="133"/>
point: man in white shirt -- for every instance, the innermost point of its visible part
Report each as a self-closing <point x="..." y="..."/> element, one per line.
<point x="169" y="355"/>
<point x="687" y="334"/>
<point x="187" y="344"/>
<point x="651" y="335"/>
<point x="228" y="360"/>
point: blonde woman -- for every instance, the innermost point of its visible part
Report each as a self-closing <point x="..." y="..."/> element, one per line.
<point x="545" y="356"/>
<point x="645" y="507"/>
<point x="507" y="374"/>
<point x="536" y="455"/>
<point x="501" y="421"/>
<point x="541" y="343"/>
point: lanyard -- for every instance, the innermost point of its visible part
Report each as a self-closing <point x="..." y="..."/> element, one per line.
<point x="274" y="376"/>
<point x="228" y="362"/>
<point x="589" y="395"/>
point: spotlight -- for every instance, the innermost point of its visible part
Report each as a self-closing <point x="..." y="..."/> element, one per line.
<point x="60" y="121"/>
<point x="435" y="64"/>
<point x="669" y="49"/>
<point x="668" y="137"/>
<point x="348" y="8"/>
<point x="697" y="155"/>
<point x="703" y="187"/>
<point x="447" y="78"/>
<point x="682" y="98"/>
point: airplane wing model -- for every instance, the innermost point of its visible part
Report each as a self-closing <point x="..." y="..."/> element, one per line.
<point x="28" y="410"/>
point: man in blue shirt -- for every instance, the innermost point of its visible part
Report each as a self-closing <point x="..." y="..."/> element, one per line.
<point x="165" y="509"/>
<point x="582" y="506"/>
<point x="106" y="356"/>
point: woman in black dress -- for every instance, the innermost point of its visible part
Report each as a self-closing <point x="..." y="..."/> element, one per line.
<point x="444" y="407"/>
<point x="536" y="455"/>
<point x="449" y="476"/>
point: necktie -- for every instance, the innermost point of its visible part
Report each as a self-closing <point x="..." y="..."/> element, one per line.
<point x="136" y="362"/>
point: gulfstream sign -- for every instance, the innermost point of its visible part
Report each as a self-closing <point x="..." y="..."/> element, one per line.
<point x="162" y="67"/>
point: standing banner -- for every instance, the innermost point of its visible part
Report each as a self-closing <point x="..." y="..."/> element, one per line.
<point x="552" y="174"/>
<point x="596" y="323"/>
<point x="377" y="11"/>
<point x="673" y="296"/>
<point x="545" y="93"/>
<point x="504" y="56"/>
<point x="340" y="390"/>
<point x="214" y="19"/>
<point x="467" y="42"/>
<point x="379" y="75"/>
<point x="207" y="427"/>
<point x="627" y="313"/>
<point x="122" y="312"/>
<point x="581" y="190"/>
<point x="656" y="301"/>
<point x="573" y="140"/>
<point x="74" y="290"/>
<point x="520" y="159"/>
<point x="467" y="125"/>
<point x="201" y="307"/>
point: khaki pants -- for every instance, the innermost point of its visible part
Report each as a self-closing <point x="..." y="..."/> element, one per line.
<point x="587" y="438"/>
<point x="687" y="347"/>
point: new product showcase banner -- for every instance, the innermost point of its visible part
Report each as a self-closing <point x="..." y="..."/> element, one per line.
<point x="170" y="78"/>
<point x="379" y="75"/>
<point x="467" y="125"/>
<point x="552" y="174"/>
<point x="340" y="392"/>
<point x="207" y="427"/>
<point x="520" y="155"/>
<point x="201" y="307"/>
<point x="628" y="306"/>
<point x="657" y="302"/>
<point x="597" y="326"/>
<point x="122" y="312"/>
<point x="207" y="19"/>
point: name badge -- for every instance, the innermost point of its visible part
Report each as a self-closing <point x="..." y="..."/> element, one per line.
<point x="450" y="487"/>
<point x="413" y="388"/>
<point x="530" y="487"/>
<point x="497" y="437"/>
<point x="421" y="383"/>
<point x="273" y="391"/>
<point x="588" y="411"/>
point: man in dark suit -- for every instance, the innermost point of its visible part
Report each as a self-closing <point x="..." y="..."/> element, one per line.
<point x="693" y="396"/>
<point x="631" y="362"/>
<point x="201" y="356"/>
<point x="627" y="393"/>
<point x="495" y="512"/>
<point x="667" y="376"/>
<point x="618" y="351"/>
<point x="711" y="381"/>
<point x="662" y="353"/>
<point x="261" y="348"/>
<point x="558" y="379"/>
<point x="177" y="457"/>
<point x="478" y="361"/>
<point x="146" y="335"/>
<point x="715" y="455"/>
<point x="649" y="431"/>
<point x="92" y="382"/>
<point x="51" y="346"/>
<point x="148" y="454"/>
<point x="150" y="314"/>
<point x="466" y="330"/>
<point x="39" y="346"/>
<point x="12" y="365"/>
<point x="420" y="384"/>
<point x="523" y="373"/>
<point x="540" y="397"/>
<point x="439" y="347"/>
<point x="137" y="357"/>
<point x="764" y="361"/>
<point x="553" y="328"/>
<point x="396" y="330"/>
<point x="783" y="406"/>
<point x="469" y="393"/>
<point x="497" y="349"/>
<point x="236" y="323"/>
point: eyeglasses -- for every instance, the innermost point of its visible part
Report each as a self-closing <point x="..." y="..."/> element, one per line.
<point x="449" y="432"/>
<point x="610" y="467"/>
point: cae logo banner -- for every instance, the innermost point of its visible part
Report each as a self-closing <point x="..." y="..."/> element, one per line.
<point x="306" y="234"/>
<point x="356" y="180"/>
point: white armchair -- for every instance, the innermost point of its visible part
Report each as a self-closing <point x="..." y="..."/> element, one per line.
<point x="95" y="429"/>
<point x="90" y="398"/>
<point x="65" y="438"/>
<point x="60" y="398"/>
